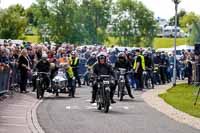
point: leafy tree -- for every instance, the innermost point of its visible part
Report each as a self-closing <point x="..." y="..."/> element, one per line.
<point x="179" y="15"/>
<point x="195" y="35"/>
<point x="134" y="23"/>
<point x="189" y="19"/>
<point x="12" y="22"/>
<point x="96" y="15"/>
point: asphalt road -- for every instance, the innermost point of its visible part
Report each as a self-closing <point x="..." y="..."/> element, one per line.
<point x="66" y="115"/>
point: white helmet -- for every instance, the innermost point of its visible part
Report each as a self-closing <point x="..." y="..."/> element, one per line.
<point x="44" y="55"/>
<point x="101" y="54"/>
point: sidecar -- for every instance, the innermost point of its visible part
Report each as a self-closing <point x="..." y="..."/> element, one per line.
<point x="59" y="83"/>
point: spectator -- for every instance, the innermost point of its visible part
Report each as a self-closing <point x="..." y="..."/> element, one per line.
<point x="24" y="67"/>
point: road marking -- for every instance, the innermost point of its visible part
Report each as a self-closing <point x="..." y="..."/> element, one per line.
<point x="94" y="106"/>
<point x="90" y="107"/>
<point x="68" y="107"/>
<point x="12" y="117"/>
<point x="15" y="125"/>
<point x="125" y="107"/>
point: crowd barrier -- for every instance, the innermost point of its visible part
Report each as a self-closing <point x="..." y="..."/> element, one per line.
<point x="8" y="77"/>
<point x="4" y="78"/>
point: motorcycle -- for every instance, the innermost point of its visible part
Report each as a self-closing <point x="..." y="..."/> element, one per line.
<point x="121" y="83"/>
<point x="41" y="83"/>
<point x="156" y="74"/>
<point x="59" y="83"/>
<point x="103" y="93"/>
<point x="147" y="81"/>
<point x="88" y="76"/>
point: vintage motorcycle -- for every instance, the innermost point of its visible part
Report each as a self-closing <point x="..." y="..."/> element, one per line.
<point x="121" y="83"/>
<point x="41" y="83"/>
<point x="60" y="82"/>
<point x="103" y="92"/>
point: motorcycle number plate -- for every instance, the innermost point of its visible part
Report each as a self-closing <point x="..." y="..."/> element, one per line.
<point x="106" y="82"/>
<point x="122" y="81"/>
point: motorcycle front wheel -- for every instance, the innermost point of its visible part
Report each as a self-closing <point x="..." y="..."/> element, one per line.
<point x="106" y="102"/>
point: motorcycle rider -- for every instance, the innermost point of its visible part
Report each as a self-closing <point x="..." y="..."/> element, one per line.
<point x="163" y="68"/>
<point x="102" y="68"/>
<point x="157" y="62"/>
<point x="70" y="76"/>
<point x="122" y="62"/>
<point x="91" y="61"/>
<point x="74" y="62"/>
<point x="149" y="65"/>
<point x="43" y="66"/>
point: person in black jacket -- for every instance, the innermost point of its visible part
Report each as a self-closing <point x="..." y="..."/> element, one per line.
<point x="102" y="68"/>
<point x="42" y="66"/>
<point x="122" y="62"/>
<point x="24" y="67"/>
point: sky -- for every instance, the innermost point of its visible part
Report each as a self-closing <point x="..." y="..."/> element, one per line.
<point x="161" y="8"/>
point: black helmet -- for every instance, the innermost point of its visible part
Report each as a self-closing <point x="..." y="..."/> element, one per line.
<point x="121" y="55"/>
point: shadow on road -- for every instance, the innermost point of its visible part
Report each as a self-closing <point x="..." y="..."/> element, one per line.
<point x="57" y="98"/>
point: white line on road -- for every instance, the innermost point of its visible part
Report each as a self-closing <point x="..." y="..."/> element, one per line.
<point x="94" y="106"/>
<point x="15" y="125"/>
<point x="125" y="107"/>
<point x="68" y="107"/>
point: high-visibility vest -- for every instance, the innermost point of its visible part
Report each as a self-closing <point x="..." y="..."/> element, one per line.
<point x="70" y="72"/>
<point x="62" y="60"/>
<point x="73" y="63"/>
<point x="142" y="62"/>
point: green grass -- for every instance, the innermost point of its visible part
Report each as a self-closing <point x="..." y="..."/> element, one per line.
<point x="182" y="97"/>
<point x="168" y="42"/>
<point x="33" y="39"/>
<point x="157" y="43"/>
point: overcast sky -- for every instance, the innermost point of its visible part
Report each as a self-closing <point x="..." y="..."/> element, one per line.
<point x="161" y="8"/>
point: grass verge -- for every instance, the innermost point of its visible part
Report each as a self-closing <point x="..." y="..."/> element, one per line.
<point x="182" y="97"/>
<point x="168" y="42"/>
<point x="157" y="43"/>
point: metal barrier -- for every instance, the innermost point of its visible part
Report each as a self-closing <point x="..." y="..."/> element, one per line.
<point x="4" y="79"/>
<point x="9" y="76"/>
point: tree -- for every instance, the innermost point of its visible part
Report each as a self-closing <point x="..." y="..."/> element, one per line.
<point x="133" y="23"/>
<point x="179" y="15"/>
<point x="195" y="35"/>
<point x="72" y="21"/>
<point x="188" y="19"/>
<point x="96" y="15"/>
<point x="12" y="22"/>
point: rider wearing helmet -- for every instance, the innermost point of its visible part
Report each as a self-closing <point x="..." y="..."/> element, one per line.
<point x="43" y="66"/>
<point x="102" y="68"/>
<point x="74" y="62"/>
<point x="149" y="65"/>
<point x="122" y="62"/>
<point x="92" y="60"/>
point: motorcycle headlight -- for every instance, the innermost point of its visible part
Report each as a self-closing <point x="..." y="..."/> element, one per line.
<point x="107" y="88"/>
